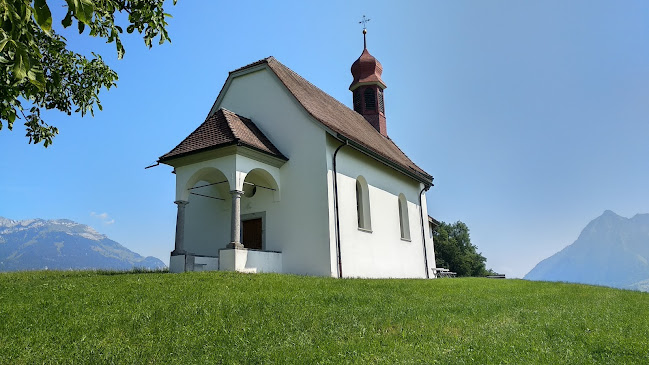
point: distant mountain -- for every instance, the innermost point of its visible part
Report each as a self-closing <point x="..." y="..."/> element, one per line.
<point x="62" y="244"/>
<point x="611" y="251"/>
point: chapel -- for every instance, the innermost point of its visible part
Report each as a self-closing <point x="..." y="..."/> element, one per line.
<point x="281" y="177"/>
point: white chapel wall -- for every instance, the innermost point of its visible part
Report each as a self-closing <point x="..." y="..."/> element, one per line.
<point x="207" y="222"/>
<point x="381" y="253"/>
<point x="298" y="225"/>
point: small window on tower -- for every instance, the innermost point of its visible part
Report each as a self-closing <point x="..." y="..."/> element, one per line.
<point x="370" y="99"/>
<point x="357" y="101"/>
<point x="381" y="107"/>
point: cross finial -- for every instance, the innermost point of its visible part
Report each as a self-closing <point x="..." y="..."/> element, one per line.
<point x="364" y="22"/>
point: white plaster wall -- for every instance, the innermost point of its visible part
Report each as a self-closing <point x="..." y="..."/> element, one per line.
<point x="430" y="244"/>
<point x="250" y="261"/>
<point x="381" y="253"/>
<point x="298" y="225"/>
<point x="207" y="221"/>
<point x="177" y="264"/>
<point x="262" y="261"/>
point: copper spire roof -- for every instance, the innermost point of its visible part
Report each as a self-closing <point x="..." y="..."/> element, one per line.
<point x="221" y="129"/>
<point x="366" y="70"/>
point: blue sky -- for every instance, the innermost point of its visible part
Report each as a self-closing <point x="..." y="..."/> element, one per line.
<point x="532" y="116"/>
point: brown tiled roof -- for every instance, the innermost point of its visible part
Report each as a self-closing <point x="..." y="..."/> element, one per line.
<point x="340" y="119"/>
<point x="223" y="128"/>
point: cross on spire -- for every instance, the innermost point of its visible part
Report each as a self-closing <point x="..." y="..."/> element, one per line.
<point x="364" y="22"/>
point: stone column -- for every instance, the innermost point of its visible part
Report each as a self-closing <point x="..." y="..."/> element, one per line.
<point x="235" y="240"/>
<point x="180" y="228"/>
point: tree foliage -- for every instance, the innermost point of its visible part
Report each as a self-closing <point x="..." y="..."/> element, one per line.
<point x="454" y="250"/>
<point x="38" y="71"/>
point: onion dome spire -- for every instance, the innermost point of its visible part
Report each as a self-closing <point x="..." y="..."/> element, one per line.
<point x="368" y="87"/>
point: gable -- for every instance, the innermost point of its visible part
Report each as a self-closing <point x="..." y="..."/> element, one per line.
<point x="339" y="120"/>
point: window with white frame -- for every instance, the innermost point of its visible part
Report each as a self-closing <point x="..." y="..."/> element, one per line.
<point x="363" y="204"/>
<point x="404" y="222"/>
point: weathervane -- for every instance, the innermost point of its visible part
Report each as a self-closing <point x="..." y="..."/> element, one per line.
<point x="364" y="22"/>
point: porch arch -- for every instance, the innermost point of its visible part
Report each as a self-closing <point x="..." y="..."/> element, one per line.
<point x="211" y="175"/>
<point x="260" y="178"/>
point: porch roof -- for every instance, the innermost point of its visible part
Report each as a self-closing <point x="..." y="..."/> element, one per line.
<point x="223" y="128"/>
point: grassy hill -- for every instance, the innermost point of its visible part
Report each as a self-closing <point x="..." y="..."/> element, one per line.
<point x="88" y="317"/>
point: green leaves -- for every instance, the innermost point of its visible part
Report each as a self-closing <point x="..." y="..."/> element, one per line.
<point x="67" y="21"/>
<point x="43" y="15"/>
<point x="21" y="62"/>
<point x="83" y="9"/>
<point x="3" y="43"/>
<point x="37" y="68"/>
<point x="454" y="250"/>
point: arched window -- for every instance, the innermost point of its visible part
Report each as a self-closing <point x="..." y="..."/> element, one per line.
<point x="404" y="222"/>
<point x="363" y="204"/>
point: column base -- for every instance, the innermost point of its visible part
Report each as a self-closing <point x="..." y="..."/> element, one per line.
<point x="236" y="245"/>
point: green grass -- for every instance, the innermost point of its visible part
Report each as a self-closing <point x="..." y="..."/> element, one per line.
<point x="138" y="318"/>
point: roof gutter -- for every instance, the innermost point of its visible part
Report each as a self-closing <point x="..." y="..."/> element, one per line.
<point x="428" y="182"/>
<point x="423" y="230"/>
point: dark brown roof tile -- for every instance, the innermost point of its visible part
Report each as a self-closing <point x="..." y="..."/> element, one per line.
<point x="341" y="119"/>
<point x="223" y="128"/>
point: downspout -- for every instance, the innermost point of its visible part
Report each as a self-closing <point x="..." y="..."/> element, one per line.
<point x="338" y="254"/>
<point x="423" y="231"/>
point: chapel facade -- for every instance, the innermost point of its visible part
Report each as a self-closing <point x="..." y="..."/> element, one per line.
<point x="281" y="177"/>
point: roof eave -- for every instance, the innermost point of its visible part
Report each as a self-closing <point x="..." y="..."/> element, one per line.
<point x="427" y="180"/>
<point x="165" y="161"/>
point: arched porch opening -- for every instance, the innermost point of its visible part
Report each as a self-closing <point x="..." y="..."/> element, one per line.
<point x="260" y="192"/>
<point x="207" y="214"/>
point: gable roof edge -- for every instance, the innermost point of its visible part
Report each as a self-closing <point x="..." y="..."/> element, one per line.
<point x="426" y="180"/>
<point x="258" y="66"/>
<point x="262" y="64"/>
<point x="265" y="64"/>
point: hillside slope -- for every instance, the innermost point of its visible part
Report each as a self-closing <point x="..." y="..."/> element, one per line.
<point x="62" y="244"/>
<point x="611" y="251"/>
<point x="234" y="318"/>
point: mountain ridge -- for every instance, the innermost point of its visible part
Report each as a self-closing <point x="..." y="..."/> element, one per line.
<point x="62" y="244"/>
<point x="610" y="251"/>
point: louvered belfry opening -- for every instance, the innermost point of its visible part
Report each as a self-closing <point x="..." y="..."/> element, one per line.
<point x="370" y="99"/>
<point x="358" y="102"/>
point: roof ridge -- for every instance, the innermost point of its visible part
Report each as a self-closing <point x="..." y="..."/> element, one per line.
<point x="253" y="64"/>
<point x="227" y="117"/>
<point x="326" y="93"/>
<point x="278" y="67"/>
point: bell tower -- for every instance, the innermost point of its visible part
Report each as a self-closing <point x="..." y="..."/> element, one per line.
<point x="368" y="87"/>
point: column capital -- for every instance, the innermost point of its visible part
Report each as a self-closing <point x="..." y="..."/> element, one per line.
<point x="236" y="192"/>
<point x="181" y="202"/>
